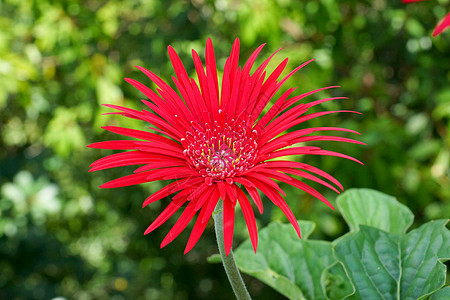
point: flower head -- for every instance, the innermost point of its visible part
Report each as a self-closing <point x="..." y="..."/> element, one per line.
<point x="218" y="143"/>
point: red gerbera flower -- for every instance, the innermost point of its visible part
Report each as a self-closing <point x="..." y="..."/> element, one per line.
<point x="218" y="143"/>
<point x="441" y="26"/>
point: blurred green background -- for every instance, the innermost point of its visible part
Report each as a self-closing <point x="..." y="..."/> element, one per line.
<point x="62" y="236"/>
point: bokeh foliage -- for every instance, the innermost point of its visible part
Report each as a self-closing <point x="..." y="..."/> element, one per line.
<point x="60" y="235"/>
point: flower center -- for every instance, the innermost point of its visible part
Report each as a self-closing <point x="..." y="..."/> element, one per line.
<point x="221" y="152"/>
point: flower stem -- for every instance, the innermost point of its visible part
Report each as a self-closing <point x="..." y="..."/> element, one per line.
<point x="234" y="276"/>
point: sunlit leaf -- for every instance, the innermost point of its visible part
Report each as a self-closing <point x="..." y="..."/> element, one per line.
<point x="442" y="294"/>
<point x="290" y="265"/>
<point x="390" y="266"/>
<point x="373" y="208"/>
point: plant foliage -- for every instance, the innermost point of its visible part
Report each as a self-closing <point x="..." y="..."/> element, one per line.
<point x="376" y="260"/>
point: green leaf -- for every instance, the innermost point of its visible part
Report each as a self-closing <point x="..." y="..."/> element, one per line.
<point x="373" y="208"/>
<point x="442" y="294"/>
<point x="389" y="266"/>
<point x="336" y="283"/>
<point x="290" y="265"/>
<point x="214" y="258"/>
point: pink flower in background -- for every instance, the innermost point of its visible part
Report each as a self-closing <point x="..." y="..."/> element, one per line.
<point x="220" y="143"/>
<point x="442" y="25"/>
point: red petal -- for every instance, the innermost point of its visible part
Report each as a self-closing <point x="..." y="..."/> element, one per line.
<point x="286" y="139"/>
<point x="257" y="83"/>
<point x="210" y="62"/>
<point x="171" y="188"/>
<point x="187" y="93"/>
<point x="310" y="151"/>
<point x="230" y="107"/>
<point x="243" y="96"/>
<point x="326" y="138"/>
<point x="203" y="198"/>
<point x="275" y="86"/>
<point x="114" y="145"/>
<point x="253" y="175"/>
<point x="181" y="224"/>
<point x="206" y="216"/>
<point x="149" y="117"/>
<point x="295" y="71"/>
<point x="226" y="86"/>
<point x="129" y="158"/>
<point x="293" y="164"/>
<point x="308" y="176"/>
<point x="253" y="192"/>
<point x="161" y="150"/>
<point x="261" y="68"/>
<point x="279" y="201"/>
<point x="166" y="214"/>
<point x="170" y="173"/>
<point x="231" y="191"/>
<point x="298" y="184"/>
<point x="204" y="95"/>
<point x="228" y="224"/>
<point x="234" y="59"/>
<point x="179" y="106"/>
<point x="148" y="92"/>
<point x="129" y="111"/>
<point x="295" y="99"/>
<point x="244" y="181"/>
<point x="140" y="134"/>
<point x="317" y="102"/>
<point x="160" y="164"/>
<point x="198" y="191"/>
<point x="126" y="180"/>
<point x="249" y="217"/>
<point x="200" y="225"/>
<point x="225" y="190"/>
<point x="177" y="64"/>
<point x="268" y="89"/>
<point x="222" y="190"/>
<point x="270" y="131"/>
<point x="269" y="116"/>
<point x="442" y="25"/>
<point x="251" y="60"/>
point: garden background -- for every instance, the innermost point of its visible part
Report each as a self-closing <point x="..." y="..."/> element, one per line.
<point x="62" y="236"/>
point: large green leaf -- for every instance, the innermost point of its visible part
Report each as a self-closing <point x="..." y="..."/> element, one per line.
<point x="336" y="283"/>
<point x="442" y="294"/>
<point x="373" y="208"/>
<point x="383" y="265"/>
<point x="290" y="265"/>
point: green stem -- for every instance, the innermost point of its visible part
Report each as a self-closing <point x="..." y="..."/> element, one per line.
<point x="234" y="276"/>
